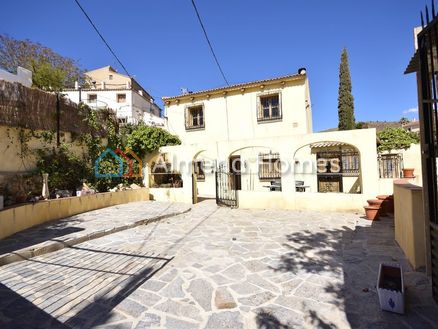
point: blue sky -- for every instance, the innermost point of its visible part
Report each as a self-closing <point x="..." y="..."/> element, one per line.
<point x="161" y="43"/>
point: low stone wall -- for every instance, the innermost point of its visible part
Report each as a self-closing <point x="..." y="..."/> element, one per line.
<point x="19" y="218"/>
<point x="169" y="195"/>
<point x="410" y="223"/>
<point x="302" y="201"/>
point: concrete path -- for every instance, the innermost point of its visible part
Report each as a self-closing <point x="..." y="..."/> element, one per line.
<point x="218" y="268"/>
<point x="72" y="230"/>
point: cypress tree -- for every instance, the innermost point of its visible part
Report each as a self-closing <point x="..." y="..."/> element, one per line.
<point x="345" y="98"/>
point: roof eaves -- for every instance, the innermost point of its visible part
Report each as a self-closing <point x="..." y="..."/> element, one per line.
<point x="414" y="64"/>
<point x="236" y="86"/>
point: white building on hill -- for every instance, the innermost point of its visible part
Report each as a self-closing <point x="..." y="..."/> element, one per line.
<point x="109" y="89"/>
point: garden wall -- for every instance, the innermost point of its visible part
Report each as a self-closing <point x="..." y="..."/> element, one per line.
<point x="19" y="218"/>
<point x="411" y="159"/>
<point x="410" y="223"/>
<point x="16" y="160"/>
<point x="170" y="195"/>
<point x="338" y="202"/>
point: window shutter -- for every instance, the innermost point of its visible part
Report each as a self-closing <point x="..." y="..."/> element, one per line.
<point x="280" y="109"/>
<point x="259" y="107"/>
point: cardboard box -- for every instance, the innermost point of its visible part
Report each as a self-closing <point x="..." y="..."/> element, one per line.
<point x="390" y="288"/>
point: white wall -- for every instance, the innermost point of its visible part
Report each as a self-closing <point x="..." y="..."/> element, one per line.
<point x="23" y="76"/>
<point x="338" y="202"/>
<point x="364" y="140"/>
<point x="136" y="108"/>
<point x="233" y="116"/>
<point x="411" y="159"/>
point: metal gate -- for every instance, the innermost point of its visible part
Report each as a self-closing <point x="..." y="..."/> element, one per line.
<point x="226" y="193"/>
<point x="426" y="65"/>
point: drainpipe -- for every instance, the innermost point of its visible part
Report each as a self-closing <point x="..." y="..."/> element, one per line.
<point x="226" y="113"/>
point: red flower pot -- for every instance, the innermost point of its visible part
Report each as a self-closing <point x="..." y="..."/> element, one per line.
<point x="372" y="212"/>
<point x="408" y="173"/>
<point x="388" y="203"/>
<point x="375" y="202"/>
<point x="380" y="204"/>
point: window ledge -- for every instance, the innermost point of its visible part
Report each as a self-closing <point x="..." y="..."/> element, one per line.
<point x="269" y="120"/>
<point x="195" y="128"/>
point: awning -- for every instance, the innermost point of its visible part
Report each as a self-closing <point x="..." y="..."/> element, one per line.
<point x="414" y="64"/>
<point x="327" y="144"/>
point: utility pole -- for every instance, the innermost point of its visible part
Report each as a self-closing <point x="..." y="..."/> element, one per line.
<point x="58" y="121"/>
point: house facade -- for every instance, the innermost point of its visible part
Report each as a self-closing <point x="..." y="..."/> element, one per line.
<point x="260" y="109"/>
<point x="252" y="145"/>
<point x="106" y="88"/>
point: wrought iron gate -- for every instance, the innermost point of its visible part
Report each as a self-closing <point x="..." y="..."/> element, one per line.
<point x="425" y="63"/>
<point x="226" y="193"/>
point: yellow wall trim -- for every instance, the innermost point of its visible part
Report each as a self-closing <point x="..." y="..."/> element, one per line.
<point x="19" y="218"/>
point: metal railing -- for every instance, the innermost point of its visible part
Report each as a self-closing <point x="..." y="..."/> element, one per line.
<point x="390" y="165"/>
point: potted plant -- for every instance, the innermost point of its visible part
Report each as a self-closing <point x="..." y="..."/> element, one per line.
<point x="388" y="203"/>
<point x="408" y="172"/>
<point x="372" y="212"/>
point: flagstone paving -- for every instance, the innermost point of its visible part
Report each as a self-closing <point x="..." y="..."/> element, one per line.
<point x="75" y="229"/>
<point x="218" y="268"/>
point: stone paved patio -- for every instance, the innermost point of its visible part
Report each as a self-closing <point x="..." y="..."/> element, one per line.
<point x="218" y="268"/>
<point x="72" y="230"/>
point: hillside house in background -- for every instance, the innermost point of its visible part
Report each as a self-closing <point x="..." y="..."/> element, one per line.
<point x="23" y="76"/>
<point x="109" y="89"/>
<point x="413" y="126"/>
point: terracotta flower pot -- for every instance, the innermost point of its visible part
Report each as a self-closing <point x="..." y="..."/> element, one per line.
<point x="385" y="201"/>
<point x="388" y="203"/>
<point x="372" y="212"/>
<point x="375" y="202"/>
<point x="408" y="173"/>
<point x="381" y="204"/>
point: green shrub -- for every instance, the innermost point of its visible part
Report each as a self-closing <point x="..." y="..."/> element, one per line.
<point x="66" y="170"/>
<point x="146" y="139"/>
<point x="396" y="139"/>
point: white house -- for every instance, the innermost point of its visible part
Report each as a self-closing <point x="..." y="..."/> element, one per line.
<point x="106" y="88"/>
<point x="23" y="76"/>
<point x="252" y="145"/>
<point x="259" y="109"/>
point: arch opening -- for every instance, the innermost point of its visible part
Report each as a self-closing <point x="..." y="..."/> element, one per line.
<point x="328" y="167"/>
